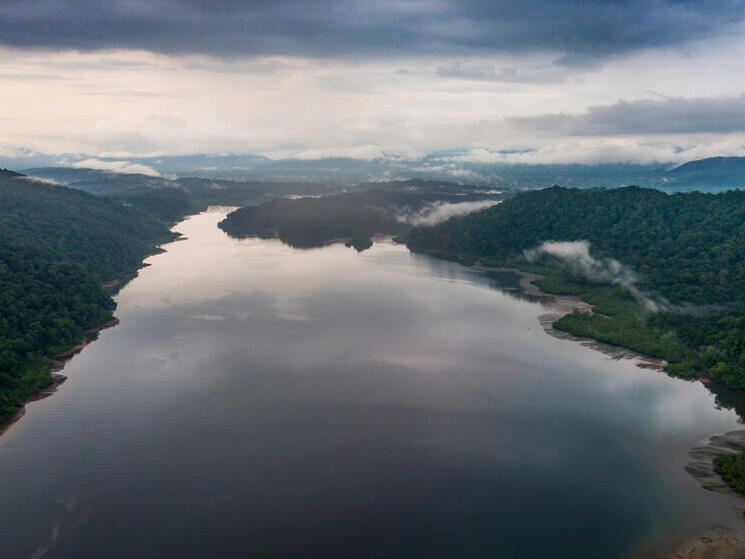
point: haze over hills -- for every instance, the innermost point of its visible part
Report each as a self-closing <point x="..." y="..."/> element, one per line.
<point x="710" y="173"/>
<point x="58" y="247"/>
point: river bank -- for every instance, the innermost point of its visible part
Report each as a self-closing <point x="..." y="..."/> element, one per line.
<point x="561" y="305"/>
<point x="57" y="361"/>
<point x="383" y="384"/>
<point x="719" y="542"/>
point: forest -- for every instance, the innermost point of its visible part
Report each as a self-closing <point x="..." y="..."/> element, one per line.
<point x="382" y="209"/>
<point x="58" y="246"/>
<point x="686" y="251"/>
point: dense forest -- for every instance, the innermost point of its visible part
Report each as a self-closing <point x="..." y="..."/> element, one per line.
<point x="312" y="222"/>
<point x="686" y="250"/>
<point x="57" y="247"/>
<point x="352" y="216"/>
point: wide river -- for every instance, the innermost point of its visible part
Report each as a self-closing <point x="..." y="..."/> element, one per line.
<point x="261" y="401"/>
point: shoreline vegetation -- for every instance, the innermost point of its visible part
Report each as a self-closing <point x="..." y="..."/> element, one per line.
<point x="683" y="312"/>
<point x="575" y="305"/>
<point x="49" y="366"/>
<point x="665" y="274"/>
<point x="55" y="364"/>
<point x="52" y="364"/>
<point x="718" y="466"/>
<point x="63" y="254"/>
<point x="353" y="218"/>
<point x="562" y="305"/>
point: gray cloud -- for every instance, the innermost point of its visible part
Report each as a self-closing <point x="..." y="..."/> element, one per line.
<point x="645" y="117"/>
<point x="529" y="75"/>
<point x="356" y="27"/>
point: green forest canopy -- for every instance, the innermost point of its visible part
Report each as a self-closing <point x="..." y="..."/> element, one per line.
<point x="688" y="248"/>
<point x="57" y="247"/>
<point x="382" y="209"/>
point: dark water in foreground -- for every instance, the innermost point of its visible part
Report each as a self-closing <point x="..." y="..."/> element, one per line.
<point x="258" y="401"/>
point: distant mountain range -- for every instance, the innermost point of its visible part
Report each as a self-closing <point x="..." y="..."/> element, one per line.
<point x="709" y="174"/>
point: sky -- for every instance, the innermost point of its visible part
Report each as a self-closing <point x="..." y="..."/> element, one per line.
<point x="533" y="81"/>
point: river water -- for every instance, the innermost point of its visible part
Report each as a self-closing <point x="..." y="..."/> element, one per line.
<point x="261" y="401"/>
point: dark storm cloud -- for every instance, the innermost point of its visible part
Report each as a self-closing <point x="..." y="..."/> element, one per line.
<point x="646" y="117"/>
<point x="355" y="27"/>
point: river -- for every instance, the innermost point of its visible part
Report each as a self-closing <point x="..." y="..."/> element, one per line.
<point x="262" y="401"/>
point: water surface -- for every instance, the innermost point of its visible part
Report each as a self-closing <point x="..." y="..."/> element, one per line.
<point x="262" y="401"/>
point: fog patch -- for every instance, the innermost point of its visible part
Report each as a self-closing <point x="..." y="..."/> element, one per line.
<point x="577" y="255"/>
<point x="125" y="167"/>
<point x="42" y="180"/>
<point x="438" y="212"/>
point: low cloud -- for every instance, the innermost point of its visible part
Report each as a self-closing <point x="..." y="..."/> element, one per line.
<point x="577" y="256"/>
<point x="597" y="150"/>
<point x="125" y="167"/>
<point x="442" y="211"/>
<point x="42" y="180"/>
<point x="719" y="115"/>
<point x="363" y="153"/>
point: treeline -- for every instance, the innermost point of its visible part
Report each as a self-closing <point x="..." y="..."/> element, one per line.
<point x="354" y="216"/>
<point x="171" y="199"/>
<point x="688" y="249"/>
<point x="57" y="247"/>
<point x="313" y="222"/>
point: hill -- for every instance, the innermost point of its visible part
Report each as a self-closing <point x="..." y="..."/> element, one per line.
<point x="666" y="271"/>
<point x="390" y="209"/>
<point x="170" y="198"/>
<point x="711" y="166"/>
<point x="57" y="247"/>
<point x="710" y="173"/>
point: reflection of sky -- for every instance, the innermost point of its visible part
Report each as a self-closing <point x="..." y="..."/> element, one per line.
<point x="248" y="372"/>
<point x="447" y="325"/>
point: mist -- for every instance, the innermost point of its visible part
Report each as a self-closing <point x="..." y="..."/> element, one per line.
<point x="438" y="212"/>
<point x="576" y="255"/>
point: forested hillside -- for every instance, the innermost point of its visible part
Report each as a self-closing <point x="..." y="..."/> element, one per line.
<point x="171" y="199"/>
<point x="57" y="247"/>
<point x="312" y="222"/>
<point x="688" y="250"/>
<point x="315" y="221"/>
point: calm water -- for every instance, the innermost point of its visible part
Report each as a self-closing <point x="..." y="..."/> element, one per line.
<point x="258" y="401"/>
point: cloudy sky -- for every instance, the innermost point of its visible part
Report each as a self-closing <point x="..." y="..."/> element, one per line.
<point x="528" y="81"/>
